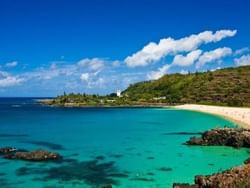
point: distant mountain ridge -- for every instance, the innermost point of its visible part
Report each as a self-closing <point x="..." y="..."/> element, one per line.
<point x="228" y="86"/>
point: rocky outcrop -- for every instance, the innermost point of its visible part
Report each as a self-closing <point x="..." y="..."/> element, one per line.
<point x="7" y="150"/>
<point x="233" y="178"/>
<point x="36" y="155"/>
<point x="238" y="177"/>
<point x="247" y="161"/>
<point x="235" y="137"/>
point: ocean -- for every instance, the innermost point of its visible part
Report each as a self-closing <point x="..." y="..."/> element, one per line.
<point x="125" y="147"/>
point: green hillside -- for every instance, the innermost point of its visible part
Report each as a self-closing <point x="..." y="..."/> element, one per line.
<point x="230" y="86"/>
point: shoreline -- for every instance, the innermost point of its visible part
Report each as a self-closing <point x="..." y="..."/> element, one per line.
<point x="47" y="102"/>
<point x="239" y="115"/>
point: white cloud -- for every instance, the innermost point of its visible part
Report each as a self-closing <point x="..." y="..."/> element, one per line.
<point x="187" y="60"/>
<point x="154" y="75"/>
<point x="116" y="63"/>
<point x="241" y="51"/>
<point x="85" y="76"/>
<point x="243" y="60"/>
<point x="7" y="80"/>
<point x="154" y="52"/>
<point x="183" y="72"/>
<point x="213" y="55"/>
<point x="93" y="64"/>
<point x="11" y="64"/>
<point x="215" y="69"/>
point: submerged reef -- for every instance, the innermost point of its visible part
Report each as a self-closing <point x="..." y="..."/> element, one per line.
<point x="96" y="173"/>
<point x="93" y="172"/>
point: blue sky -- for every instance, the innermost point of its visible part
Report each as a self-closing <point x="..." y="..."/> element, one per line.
<point x="96" y="46"/>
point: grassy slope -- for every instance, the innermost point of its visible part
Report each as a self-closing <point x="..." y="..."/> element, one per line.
<point x="230" y="86"/>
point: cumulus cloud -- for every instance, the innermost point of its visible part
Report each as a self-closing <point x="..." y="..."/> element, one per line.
<point x="243" y="60"/>
<point x="51" y="72"/>
<point x="187" y="60"/>
<point x="7" y="80"/>
<point x="154" y="75"/>
<point x="154" y="52"/>
<point x="241" y="51"/>
<point x="11" y="64"/>
<point x="93" y="64"/>
<point x="213" y="55"/>
<point x="85" y="76"/>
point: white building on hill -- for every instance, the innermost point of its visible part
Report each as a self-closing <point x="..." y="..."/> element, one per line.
<point x="119" y="93"/>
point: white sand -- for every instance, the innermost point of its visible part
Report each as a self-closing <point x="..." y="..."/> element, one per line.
<point x="239" y="115"/>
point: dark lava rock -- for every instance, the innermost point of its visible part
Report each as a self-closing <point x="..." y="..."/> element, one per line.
<point x="183" y="185"/>
<point x="238" y="177"/>
<point x="247" y="161"/>
<point x="7" y="150"/>
<point x="233" y="178"/>
<point x="37" y="155"/>
<point x="235" y="137"/>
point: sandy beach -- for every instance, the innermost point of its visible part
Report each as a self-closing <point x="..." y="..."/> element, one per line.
<point x="239" y="115"/>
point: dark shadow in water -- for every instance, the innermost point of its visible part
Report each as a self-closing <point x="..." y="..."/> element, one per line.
<point x="150" y="158"/>
<point x="130" y="149"/>
<point x="165" y="169"/>
<point x="150" y="122"/>
<point x="13" y="135"/>
<point x="91" y="172"/>
<point x="150" y="174"/>
<point x="142" y="179"/>
<point x="100" y="157"/>
<point x="183" y="133"/>
<point x="139" y="154"/>
<point x="49" y="145"/>
<point x="4" y="183"/>
<point x="4" y="163"/>
<point x="117" y="155"/>
<point x="180" y="154"/>
<point x="2" y="174"/>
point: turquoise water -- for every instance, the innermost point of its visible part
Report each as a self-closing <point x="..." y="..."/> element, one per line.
<point x="128" y="147"/>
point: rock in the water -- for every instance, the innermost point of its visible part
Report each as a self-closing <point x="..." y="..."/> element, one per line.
<point x="37" y="155"/>
<point x="247" y="161"/>
<point x="7" y="150"/>
<point x="233" y="178"/>
<point x="183" y="185"/>
<point x="235" y="137"/>
<point x="238" y="177"/>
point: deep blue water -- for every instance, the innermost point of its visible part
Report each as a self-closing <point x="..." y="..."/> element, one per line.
<point x="127" y="147"/>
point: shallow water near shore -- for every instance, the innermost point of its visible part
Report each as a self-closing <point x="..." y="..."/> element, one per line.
<point x="125" y="147"/>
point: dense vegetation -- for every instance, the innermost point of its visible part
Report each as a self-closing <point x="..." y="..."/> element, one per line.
<point x="230" y="87"/>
